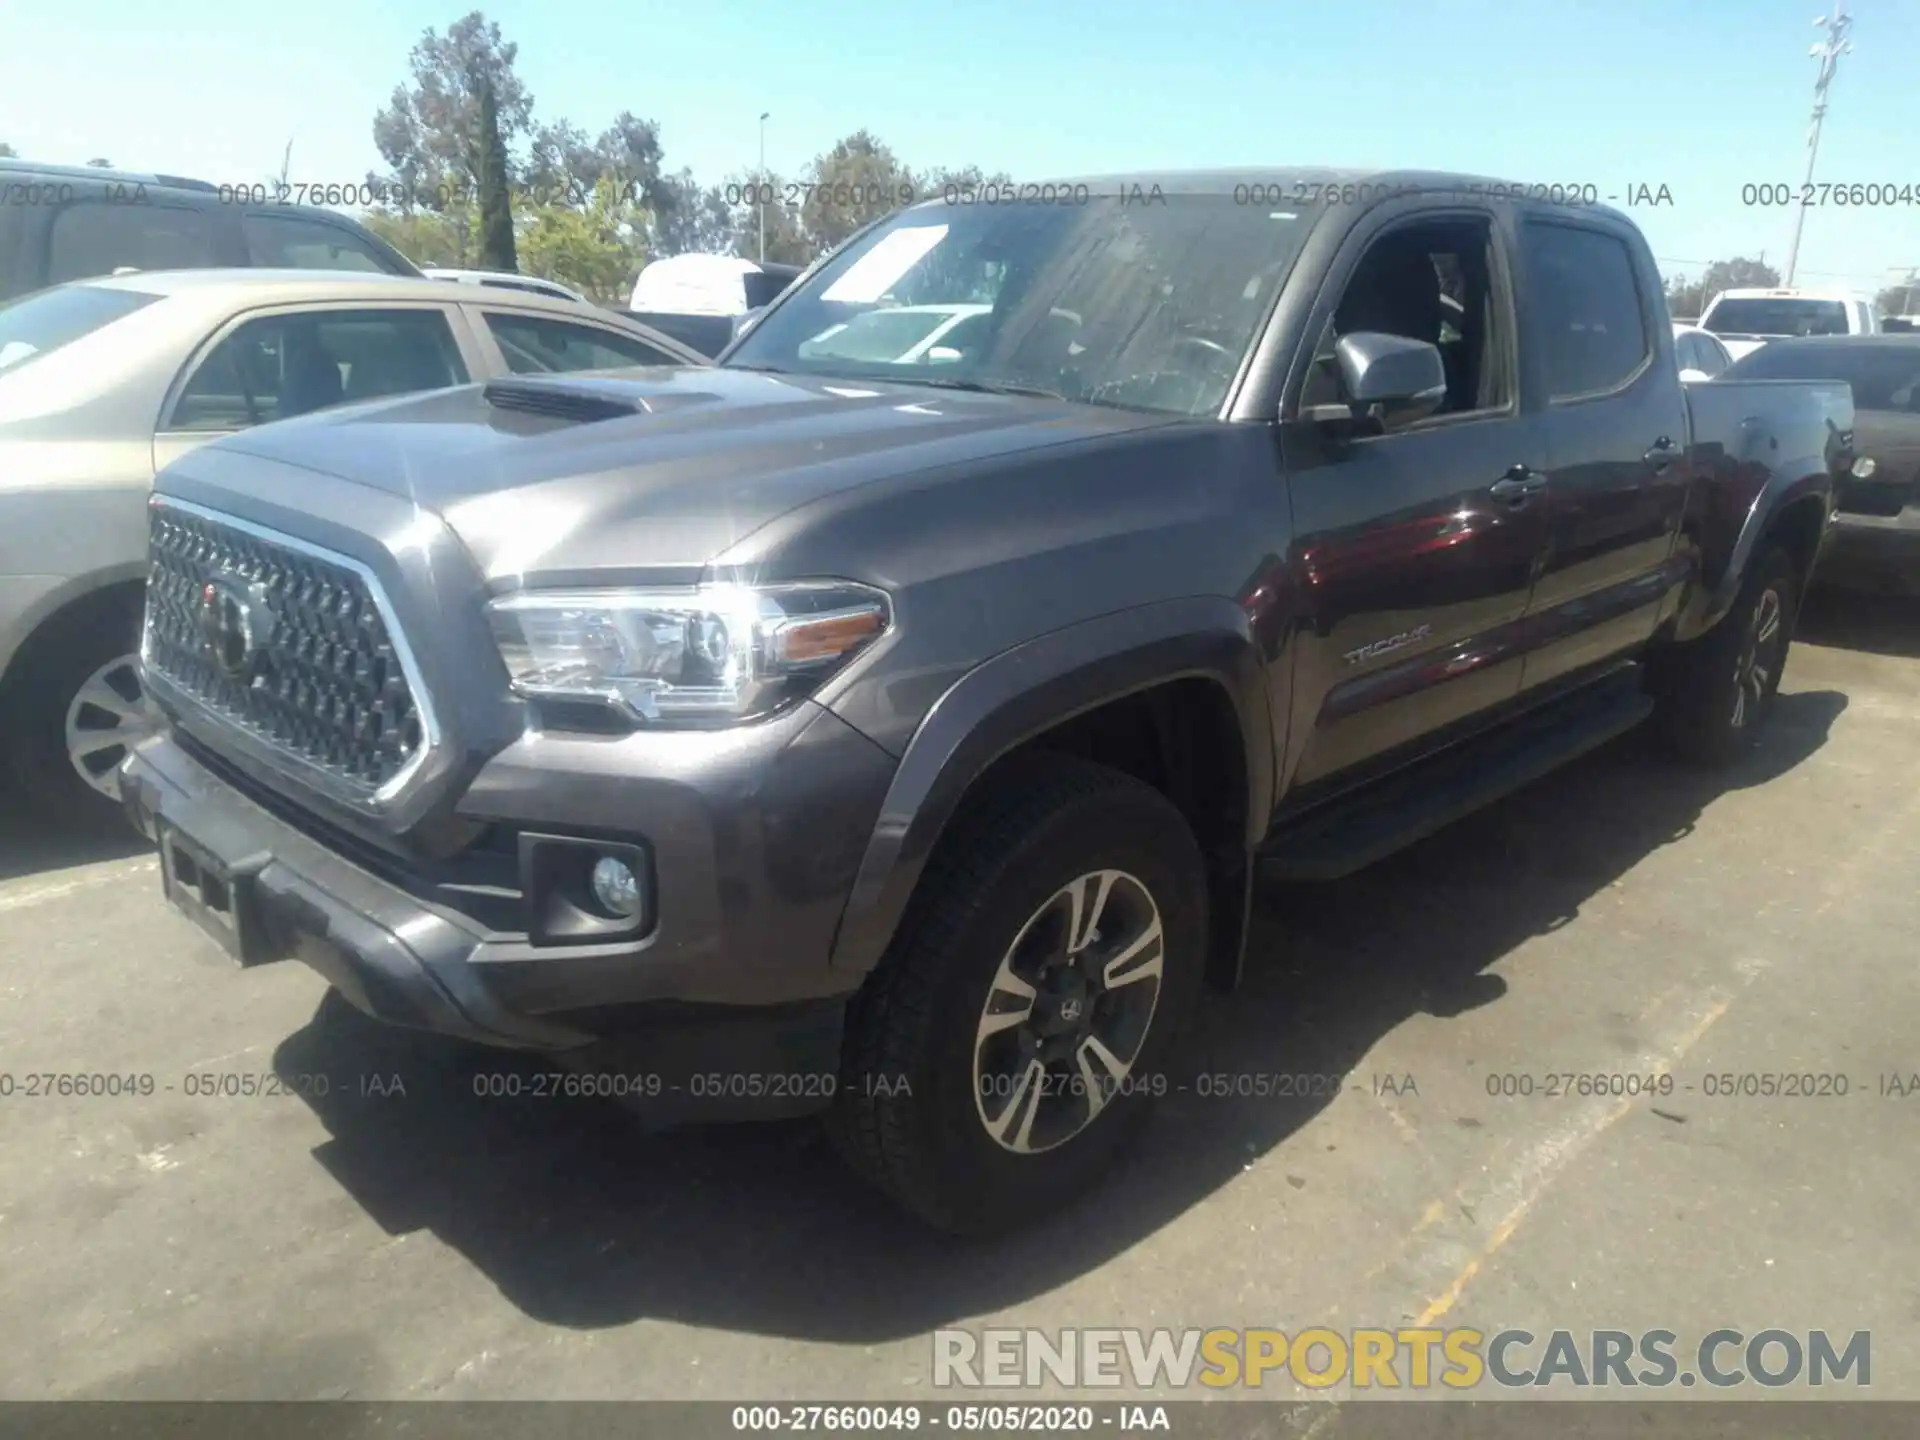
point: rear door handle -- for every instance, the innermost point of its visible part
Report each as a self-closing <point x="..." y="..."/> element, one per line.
<point x="1661" y="454"/>
<point x="1518" y="485"/>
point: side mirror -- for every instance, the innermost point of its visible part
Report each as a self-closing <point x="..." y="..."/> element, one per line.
<point x="943" y="355"/>
<point x="1689" y="375"/>
<point x="1387" y="378"/>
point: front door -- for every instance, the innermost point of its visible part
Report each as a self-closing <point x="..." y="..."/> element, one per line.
<point x="1415" y="547"/>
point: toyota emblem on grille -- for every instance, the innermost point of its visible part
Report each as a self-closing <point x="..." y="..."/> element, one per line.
<point x="234" y="622"/>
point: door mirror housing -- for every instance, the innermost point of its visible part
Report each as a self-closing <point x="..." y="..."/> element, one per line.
<point x="1387" y="378"/>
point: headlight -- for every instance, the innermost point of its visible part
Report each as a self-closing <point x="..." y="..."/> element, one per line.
<point x="699" y="655"/>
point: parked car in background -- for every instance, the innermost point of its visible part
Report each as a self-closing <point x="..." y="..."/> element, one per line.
<point x="1747" y="319"/>
<point x="709" y="285"/>
<point x="903" y="334"/>
<point x="904" y="736"/>
<point x="507" y="280"/>
<point x="1876" y="537"/>
<point x="60" y="223"/>
<point x="1699" y="353"/>
<point x="705" y="300"/>
<point x="104" y="381"/>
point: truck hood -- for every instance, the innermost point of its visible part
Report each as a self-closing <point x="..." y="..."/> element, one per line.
<point x="654" y="469"/>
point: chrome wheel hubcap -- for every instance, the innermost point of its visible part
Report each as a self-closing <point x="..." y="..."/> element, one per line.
<point x="106" y="718"/>
<point x="1068" y="1012"/>
<point x="1759" y="661"/>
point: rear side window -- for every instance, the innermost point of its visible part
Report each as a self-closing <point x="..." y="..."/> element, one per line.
<point x="279" y="366"/>
<point x="290" y="242"/>
<point x="534" y="345"/>
<point x="1593" y="332"/>
<point x="41" y="323"/>
<point x="95" y="237"/>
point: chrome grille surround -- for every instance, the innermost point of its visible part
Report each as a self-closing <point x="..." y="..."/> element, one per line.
<point x="331" y="695"/>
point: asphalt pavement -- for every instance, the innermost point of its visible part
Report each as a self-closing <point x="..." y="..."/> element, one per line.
<point x="400" y="1236"/>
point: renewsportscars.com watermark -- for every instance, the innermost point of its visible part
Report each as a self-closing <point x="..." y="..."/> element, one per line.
<point x="1321" y="1357"/>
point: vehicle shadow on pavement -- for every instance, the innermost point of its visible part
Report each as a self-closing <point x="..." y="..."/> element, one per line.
<point x="582" y="1220"/>
<point x="1856" y="620"/>
<point x="31" y="845"/>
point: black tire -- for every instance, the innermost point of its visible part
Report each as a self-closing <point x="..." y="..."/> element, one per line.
<point x="905" y="1114"/>
<point x="1712" y="702"/>
<point x="42" y="687"/>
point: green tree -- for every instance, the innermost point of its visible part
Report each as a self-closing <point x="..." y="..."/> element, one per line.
<point x="1686" y="299"/>
<point x="691" y="218"/>
<point x="430" y="132"/>
<point x="99" y="164"/>
<point x="788" y="242"/>
<point x="496" y="199"/>
<point x="426" y="237"/>
<point x="1902" y="299"/>
<point x="7" y="152"/>
<point x="857" y="181"/>
<point x="591" y="248"/>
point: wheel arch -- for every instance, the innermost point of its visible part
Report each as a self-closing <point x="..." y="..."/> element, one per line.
<point x="1175" y="693"/>
<point x="78" y="600"/>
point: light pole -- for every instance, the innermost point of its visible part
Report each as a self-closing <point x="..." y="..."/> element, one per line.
<point x="1828" y="53"/>
<point x="759" y="194"/>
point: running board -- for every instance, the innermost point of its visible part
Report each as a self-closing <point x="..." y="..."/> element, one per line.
<point x="1351" y="833"/>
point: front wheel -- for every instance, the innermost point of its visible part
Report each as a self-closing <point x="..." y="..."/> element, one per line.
<point x="1716" y="692"/>
<point x="1011" y="1042"/>
<point x="79" y="708"/>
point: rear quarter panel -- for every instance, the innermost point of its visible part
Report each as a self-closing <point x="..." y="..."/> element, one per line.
<point x="1759" y="446"/>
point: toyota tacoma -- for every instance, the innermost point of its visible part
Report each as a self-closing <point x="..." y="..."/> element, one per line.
<point x="897" y="733"/>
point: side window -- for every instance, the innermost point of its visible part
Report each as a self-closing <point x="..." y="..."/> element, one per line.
<point x="1592" y="330"/>
<point x="1713" y="355"/>
<point x="535" y="345"/>
<point x="290" y="242"/>
<point x="279" y="366"/>
<point x="92" y="237"/>
<point x="1431" y="281"/>
<point x="1686" y="353"/>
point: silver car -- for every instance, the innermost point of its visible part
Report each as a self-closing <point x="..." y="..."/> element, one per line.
<point x="103" y="382"/>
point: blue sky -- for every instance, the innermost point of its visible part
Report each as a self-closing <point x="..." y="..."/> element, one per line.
<point x="1701" y="96"/>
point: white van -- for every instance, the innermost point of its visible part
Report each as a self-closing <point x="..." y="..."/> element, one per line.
<point x="708" y="285"/>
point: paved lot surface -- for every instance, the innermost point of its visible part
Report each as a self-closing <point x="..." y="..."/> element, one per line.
<point x="1622" y="917"/>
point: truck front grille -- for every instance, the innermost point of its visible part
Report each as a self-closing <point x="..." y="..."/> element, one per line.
<point x="282" y="643"/>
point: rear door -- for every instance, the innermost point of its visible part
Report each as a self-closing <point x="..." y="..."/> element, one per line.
<point x="1415" y="566"/>
<point x="1616" y="427"/>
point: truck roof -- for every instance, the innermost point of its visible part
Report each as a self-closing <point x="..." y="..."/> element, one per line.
<point x="1304" y="177"/>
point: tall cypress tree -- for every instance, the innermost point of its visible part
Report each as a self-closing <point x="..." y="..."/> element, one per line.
<point x="496" y="204"/>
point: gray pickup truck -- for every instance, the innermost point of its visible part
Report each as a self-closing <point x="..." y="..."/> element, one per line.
<point x="899" y="738"/>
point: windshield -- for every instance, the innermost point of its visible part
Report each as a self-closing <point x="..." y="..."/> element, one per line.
<point x="1777" y="317"/>
<point x="1138" y="305"/>
<point x="40" y="323"/>
<point x="1883" y="377"/>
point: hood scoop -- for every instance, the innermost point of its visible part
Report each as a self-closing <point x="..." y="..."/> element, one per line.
<point x="583" y="400"/>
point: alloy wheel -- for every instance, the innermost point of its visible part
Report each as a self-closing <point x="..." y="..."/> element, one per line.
<point x="1068" y="1012"/>
<point x="106" y="718"/>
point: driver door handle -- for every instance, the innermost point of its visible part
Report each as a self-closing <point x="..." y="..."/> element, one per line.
<point x="1519" y="485"/>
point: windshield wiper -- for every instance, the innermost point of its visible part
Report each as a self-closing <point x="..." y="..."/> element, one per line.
<point x="979" y="387"/>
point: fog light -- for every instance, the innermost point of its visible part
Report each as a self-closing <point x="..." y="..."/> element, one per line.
<point x="616" y="887"/>
<point x="1864" y="467"/>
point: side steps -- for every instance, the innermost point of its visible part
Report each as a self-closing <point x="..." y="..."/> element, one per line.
<point x="1351" y="832"/>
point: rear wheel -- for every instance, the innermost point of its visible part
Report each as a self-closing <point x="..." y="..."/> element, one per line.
<point x="78" y="708"/>
<point x="1008" y="1047"/>
<point x="1717" y="692"/>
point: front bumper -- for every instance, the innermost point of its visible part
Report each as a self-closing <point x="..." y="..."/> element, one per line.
<point x="724" y="1024"/>
<point x="1873" y="552"/>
